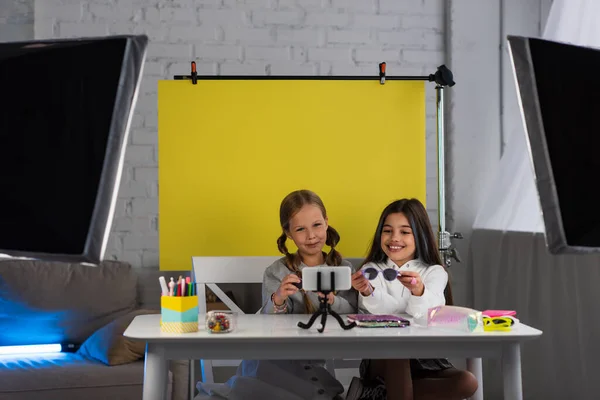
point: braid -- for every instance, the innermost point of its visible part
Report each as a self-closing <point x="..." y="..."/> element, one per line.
<point x="333" y="238"/>
<point x="289" y="258"/>
<point x="292" y="261"/>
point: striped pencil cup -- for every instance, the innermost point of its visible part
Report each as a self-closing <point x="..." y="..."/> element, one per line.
<point x="179" y="314"/>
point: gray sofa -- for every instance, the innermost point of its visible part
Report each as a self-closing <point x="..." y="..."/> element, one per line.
<point x="88" y="306"/>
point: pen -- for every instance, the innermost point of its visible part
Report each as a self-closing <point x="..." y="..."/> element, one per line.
<point x="193" y="282"/>
<point x="171" y="287"/>
<point x="189" y="286"/>
<point x="163" y="286"/>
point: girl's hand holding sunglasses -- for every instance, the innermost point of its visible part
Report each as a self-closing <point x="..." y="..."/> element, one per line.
<point x="361" y="284"/>
<point x="410" y="279"/>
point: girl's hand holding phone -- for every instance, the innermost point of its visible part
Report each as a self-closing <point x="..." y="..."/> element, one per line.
<point x="412" y="281"/>
<point x="361" y="284"/>
<point x="286" y="288"/>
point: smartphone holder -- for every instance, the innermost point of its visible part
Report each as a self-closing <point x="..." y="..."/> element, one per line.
<point x="325" y="308"/>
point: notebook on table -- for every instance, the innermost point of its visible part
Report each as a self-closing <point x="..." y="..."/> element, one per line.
<point x="378" y="321"/>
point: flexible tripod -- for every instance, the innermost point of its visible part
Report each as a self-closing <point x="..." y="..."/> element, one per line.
<point x="325" y="309"/>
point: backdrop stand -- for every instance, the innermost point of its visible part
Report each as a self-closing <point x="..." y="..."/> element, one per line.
<point x="447" y="250"/>
<point x="442" y="77"/>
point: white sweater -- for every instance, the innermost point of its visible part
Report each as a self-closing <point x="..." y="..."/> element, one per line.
<point x="393" y="298"/>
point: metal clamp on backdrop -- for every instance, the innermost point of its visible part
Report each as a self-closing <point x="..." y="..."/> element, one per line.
<point x="382" y="73"/>
<point x="193" y="74"/>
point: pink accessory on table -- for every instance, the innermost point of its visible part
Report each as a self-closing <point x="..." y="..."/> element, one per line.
<point x="498" y="313"/>
<point x="457" y="318"/>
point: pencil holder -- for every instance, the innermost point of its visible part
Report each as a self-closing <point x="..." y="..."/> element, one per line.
<point x="179" y="314"/>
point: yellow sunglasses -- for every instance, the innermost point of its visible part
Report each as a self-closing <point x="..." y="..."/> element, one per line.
<point x="497" y="323"/>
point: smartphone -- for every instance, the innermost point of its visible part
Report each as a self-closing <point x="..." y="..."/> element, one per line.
<point x="318" y="279"/>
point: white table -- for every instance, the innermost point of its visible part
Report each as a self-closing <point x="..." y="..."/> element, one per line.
<point x="260" y="336"/>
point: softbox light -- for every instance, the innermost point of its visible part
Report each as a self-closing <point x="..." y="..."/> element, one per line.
<point x="64" y="121"/>
<point x="560" y="103"/>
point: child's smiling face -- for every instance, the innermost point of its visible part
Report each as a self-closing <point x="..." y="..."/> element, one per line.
<point x="397" y="239"/>
<point x="308" y="230"/>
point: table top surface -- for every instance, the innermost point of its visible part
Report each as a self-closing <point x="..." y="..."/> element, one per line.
<point x="260" y="327"/>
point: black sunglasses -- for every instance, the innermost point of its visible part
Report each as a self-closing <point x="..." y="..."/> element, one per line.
<point x="389" y="274"/>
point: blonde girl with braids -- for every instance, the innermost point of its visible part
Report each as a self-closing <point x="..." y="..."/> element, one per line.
<point x="304" y="222"/>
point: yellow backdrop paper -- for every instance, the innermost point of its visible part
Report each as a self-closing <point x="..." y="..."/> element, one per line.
<point x="230" y="150"/>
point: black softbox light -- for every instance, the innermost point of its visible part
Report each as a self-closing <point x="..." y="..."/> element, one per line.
<point x="560" y="104"/>
<point x="64" y="121"/>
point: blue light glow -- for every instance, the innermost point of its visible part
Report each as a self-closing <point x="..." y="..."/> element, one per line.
<point x="22" y="324"/>
<point x="31" y="349"/>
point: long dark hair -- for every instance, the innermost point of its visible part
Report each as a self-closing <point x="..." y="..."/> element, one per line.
<point x="426" y="245"/>
<point x="291" y="204"/>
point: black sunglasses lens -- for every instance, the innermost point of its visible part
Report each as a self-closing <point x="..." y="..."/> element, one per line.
<point x="370" y="273"/>
<point x="390" y="274"/>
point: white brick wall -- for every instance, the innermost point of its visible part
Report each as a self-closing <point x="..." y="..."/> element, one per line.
<point x="16" y="20"/>
<point x="246" y="37"/>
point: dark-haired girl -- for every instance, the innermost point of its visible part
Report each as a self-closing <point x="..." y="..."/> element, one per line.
<point x="409" y="278"/>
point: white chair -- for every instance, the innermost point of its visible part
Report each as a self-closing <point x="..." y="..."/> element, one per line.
<point x="211" y="271"/>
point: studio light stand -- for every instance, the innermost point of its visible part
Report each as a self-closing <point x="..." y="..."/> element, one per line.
<point x="325" y="309"/>
<point x="443" y="77"/>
